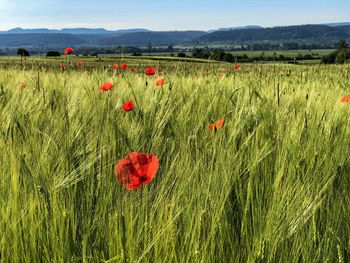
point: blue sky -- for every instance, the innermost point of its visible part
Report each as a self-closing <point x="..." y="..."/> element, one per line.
<point x="168" y="15"/>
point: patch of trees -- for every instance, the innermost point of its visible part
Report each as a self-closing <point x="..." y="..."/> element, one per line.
<point x="135" y="51"/>
<point x="286" y="46"/>
<point x="221" y="55"/>
<point x="340" y="56"/>
<point x="53" y="53"/>
<point x="137" y="54"/>
<point x="93" y="51"/>
<point x="23" y="52"/>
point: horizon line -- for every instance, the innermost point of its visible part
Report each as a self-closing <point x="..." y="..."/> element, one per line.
<point x="145" y="28"/>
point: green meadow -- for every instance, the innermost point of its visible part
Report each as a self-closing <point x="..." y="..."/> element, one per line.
<point x="287" y="53"/>
<point x="272" y="185"/>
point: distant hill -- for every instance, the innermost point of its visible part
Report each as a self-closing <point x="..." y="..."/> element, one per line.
<point x="314" y="33"/>
<point x="55" y="40"/>
<point x="338" y="24"/>
<point x="126" y="31"/>
<point x="39" y="40"/>
<point x="320" y="35"/>
<point x="234" y="28"/>
<point x="154" y="38"/>
<point x="74" y="31"/>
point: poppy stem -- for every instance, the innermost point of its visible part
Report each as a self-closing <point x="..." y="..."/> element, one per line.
<point x="278" y="94"/>
<point x="133" y="93"/>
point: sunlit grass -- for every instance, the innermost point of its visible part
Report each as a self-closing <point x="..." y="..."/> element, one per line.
<point x="271" y="186"/>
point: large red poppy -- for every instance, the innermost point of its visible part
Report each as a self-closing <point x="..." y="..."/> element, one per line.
<point x="106" y="87"/>
<point x="345" y="98"/>
<point x="236" y="67"/>
<point x="68" y="51"/>
<point x="136" y="169"/>
<point x="115" y="66"/>
<point x="128" y="106"/>
<point x="150" y="71"/>
<point x="217" y="125"/>
<point x="123" y="67"/>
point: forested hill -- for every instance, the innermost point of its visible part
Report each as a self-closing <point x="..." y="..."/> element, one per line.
<point x="59" y="40"/>
<point x="315" y="34"/>
<point x="153" y="38"/>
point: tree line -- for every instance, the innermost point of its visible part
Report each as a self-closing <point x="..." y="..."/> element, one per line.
<point x="340" y="56"/>
<point x="221" y="55"/>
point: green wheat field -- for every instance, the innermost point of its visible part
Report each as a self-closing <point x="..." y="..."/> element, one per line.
<point x="272" y="185"/>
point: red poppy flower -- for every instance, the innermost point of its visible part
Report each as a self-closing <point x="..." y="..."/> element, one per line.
<point x="132" y="69"/>
<point x="160" y="82"/>
<point x="236" y="67"/>
<point x="128" y="106"/>
<point x="79" y="63"/>
<point x="150" y="71"/>
<point x="123" y="67"/>
<point x="217" y="125"/>
<point x="68" y="51"/>
<point x="136" y="169"/>
<point x="106" y="87"/>
<point x="115" y="66"/>
<point x="345" y="98"/>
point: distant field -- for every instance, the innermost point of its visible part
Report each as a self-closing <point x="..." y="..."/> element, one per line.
<point x="160" y="58"/>
<point x="287" y="53"/>
<point x="265" y="56"/>
<point x="269" y="183"/>
<point x="101" y="60"/>
<point x="267" y="52"/>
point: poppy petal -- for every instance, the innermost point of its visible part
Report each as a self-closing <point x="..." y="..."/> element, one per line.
<point x="128" y="106"/>
<point x="160" y="82"/>
<point x="68" y="51"/>
<point x="217" y="125"/>
<point x="345" y="98"/>
<point x="136" y="169"/>
<point x="150" y="71"/>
